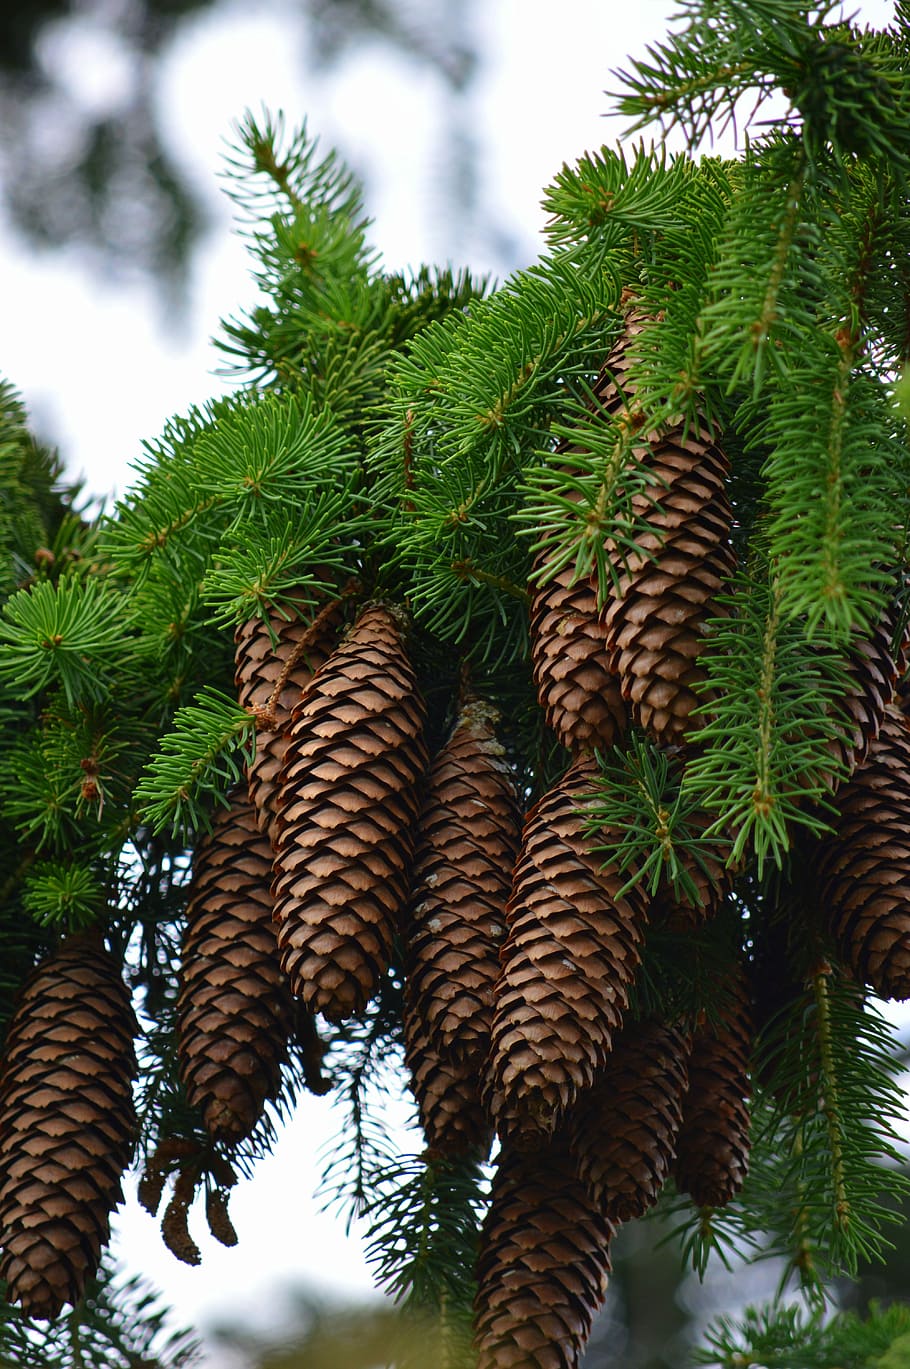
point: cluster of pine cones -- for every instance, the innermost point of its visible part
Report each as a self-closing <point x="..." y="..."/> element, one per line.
<point x="521" y="949"/>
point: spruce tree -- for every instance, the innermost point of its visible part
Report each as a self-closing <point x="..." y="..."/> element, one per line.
<point x="621" y="543"/>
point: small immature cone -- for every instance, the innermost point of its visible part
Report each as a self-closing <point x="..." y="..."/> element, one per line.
<point x="860" y="872"/>
<point x="262" y="652"/>
<point x="666" y="589"/>
<point x="575" y="681"/>
<point x="623" y="1132"/>
<point x="347" y="812"/>
<point x="234" y="1013"/>
<point x="67" y="1124"/>
<point x="712" y="1148"/>
<point x="543" y="1264"/>
<point x="570" y="955"/>
<point x="467" y="839"/>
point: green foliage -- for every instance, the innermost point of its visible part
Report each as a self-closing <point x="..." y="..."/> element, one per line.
<point x="419" y="439"/>
<point x="58" y="894"/>
<point x="59" y="633"/>
<point x="786" y="1337"/>
<point x="826" y="1137"/>
<point x="772" y="708"/>
<point x="423" y="1223"/>
<point x="640" y="822"/>
<point x="845" y="90"/>
<point x="201" y="756"/>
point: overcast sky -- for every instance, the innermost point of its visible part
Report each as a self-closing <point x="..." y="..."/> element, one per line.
<point x="101" y="369"/>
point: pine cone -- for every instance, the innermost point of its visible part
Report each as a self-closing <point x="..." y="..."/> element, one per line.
<point x="623" y="1132"/>
<point x="67" y="1124"/>
<point x="234" y="1013"/>
<point x="576" y="685"/>
<point x="262" y="652"/>
<point x="347" y="811"/>
<point x="665" y="592"/>
<point x="543" y="1264"/>
<point x="447" y="1090"/>
<point x="872" y="672"/>
<point x="571" y="953"/>
<point x="712" y="1148"/>
<point x="467" y="840"/>
<point x="861" y="871"/>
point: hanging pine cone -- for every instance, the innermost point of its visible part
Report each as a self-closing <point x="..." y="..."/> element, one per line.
<point x="234" y="1013"/>
<point x="67" y="1124"/>
<point x="872" y="672"/>
<point x="570" y="955"/>
<point x="712" y="1148"/>
<point x="666" y="590"/>
<point x="467" y="839"/>
<point x="543" y="1264"/>
<point x="347" y="812"/>
<point x="263" y="652"/>
<point x="623" y="1132"/>
<point x="447" y="1089"/>
<point x="576" y="682"/>
<point x="577" y="688"/>
<point x="861" y="871"/>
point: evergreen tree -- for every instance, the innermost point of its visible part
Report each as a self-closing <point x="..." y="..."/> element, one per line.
<point x="621" y="543"/>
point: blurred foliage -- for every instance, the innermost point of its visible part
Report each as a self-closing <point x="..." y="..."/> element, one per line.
<point x="107" y="178"/>
<point x="321" y="1335"/>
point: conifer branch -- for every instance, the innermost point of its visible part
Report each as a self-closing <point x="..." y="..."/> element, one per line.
<point x="639" y="822"/>
<point x="202" y="756"/>
<point x="771" y="701"/>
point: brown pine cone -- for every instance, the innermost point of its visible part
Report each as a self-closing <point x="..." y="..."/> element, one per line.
<point x="712" y="1148"/>
<point x="623" y="1132"/>
<point x="262" y="652"/>
<point x="447" y="1089"/>
<point x="347" y="812"/>
<point x="571" y="953"/>
<point x="575" y="681"/>
<point x="873" y="680"/>
<point x="67" y="1124"/>
<point x="543" y="1264"/>
<point x="665" y="591"/>
<point x="467" y="839"/>
<point x="234" y="1013"/>
<point x="861" y="871"/>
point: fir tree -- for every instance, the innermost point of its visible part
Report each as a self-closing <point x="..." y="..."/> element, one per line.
<point x="675" y="444"/>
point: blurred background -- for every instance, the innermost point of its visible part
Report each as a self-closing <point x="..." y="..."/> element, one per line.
<point x="117" y="261"/>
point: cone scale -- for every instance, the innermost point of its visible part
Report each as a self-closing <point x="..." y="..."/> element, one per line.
<point x="712" y="1148"/>
<point x="466" y="843"/>
<point x="466" y="846"/>
<point x="623" y="1132"/>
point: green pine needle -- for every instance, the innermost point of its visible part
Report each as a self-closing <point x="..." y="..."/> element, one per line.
<point x="201" y="758"/>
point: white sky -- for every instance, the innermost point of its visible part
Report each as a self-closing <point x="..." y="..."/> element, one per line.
<point x="101" y="370"/>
